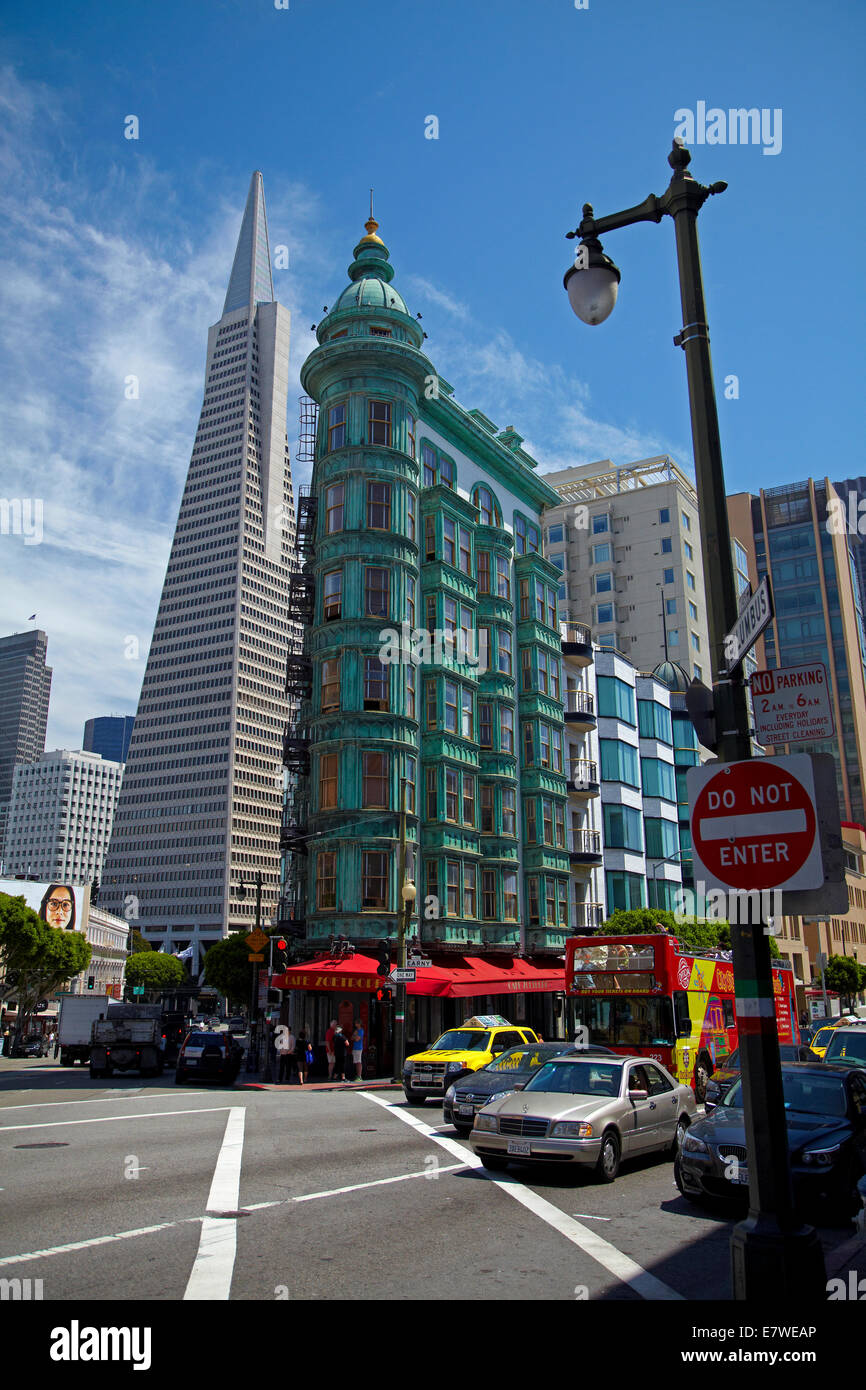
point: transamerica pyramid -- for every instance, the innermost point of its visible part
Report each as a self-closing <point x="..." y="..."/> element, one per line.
<point x="199" y="809"/>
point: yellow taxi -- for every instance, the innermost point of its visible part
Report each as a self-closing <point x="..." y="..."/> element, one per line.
<point x="458" y="1052"/>
<point x="821" y="1040"/>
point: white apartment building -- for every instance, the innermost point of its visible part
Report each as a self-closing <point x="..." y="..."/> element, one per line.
<point x="627" y="543"/>
<point x="109" y="942"/>
<point x="60" y="816"/>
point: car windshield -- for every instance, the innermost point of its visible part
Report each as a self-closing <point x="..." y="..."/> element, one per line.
<point x="577" y="1078"/>
<point x="526" y="1058"/>
<point x="847" y="1047"/>
<point x="822" y="1037"/>
<point x="805" y="1092"/>
<point x="462" y="1040"/>
<point x="203" y="1039"/>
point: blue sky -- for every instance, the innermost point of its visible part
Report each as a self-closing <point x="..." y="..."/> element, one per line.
<point x="116" y="253"/>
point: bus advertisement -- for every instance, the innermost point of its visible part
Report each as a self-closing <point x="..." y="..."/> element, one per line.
<point x="652" y="996"/>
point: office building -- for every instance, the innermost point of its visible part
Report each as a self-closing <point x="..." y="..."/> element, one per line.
<point x="109" y="736"/>
<point x="60" y="816"/>
<point x="788" y="533"/>
<point x="25" y="686"/>
<point x="199" y="812"/>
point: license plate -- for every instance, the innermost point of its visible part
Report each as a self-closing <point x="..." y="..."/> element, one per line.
<point x="520" y="1147"/>
<point x="465" y="1110"/>
<point x="193" y="1052"/>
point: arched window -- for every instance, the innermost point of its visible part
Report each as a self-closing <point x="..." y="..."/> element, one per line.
<point x="488" y="508"/>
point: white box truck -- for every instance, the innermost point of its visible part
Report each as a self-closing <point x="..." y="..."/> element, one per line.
<point x="78" y="1013"/>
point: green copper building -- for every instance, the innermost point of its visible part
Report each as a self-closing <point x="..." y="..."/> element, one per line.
<point x="430" y="686"/>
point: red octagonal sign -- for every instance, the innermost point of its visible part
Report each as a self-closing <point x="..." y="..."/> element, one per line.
<point x="754" y="824"/>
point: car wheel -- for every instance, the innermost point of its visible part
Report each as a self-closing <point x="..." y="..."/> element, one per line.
<point x="679" y="1135"/>
<point x="463" y="1130"/>
<point x="414" y="1097"/>
<point x="607" y="1166"/>
<point x="495" y="1165"/>
<point x="702" y="1076"/>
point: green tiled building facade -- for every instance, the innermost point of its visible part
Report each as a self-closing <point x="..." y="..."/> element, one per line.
<point x="431" y="680"/>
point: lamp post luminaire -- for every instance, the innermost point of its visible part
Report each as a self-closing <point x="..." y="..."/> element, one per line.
<point x="773" y="1255"/>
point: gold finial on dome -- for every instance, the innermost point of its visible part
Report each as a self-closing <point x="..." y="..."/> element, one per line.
<point x="371" y="225"/>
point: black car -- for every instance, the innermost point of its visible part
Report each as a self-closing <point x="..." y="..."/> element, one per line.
<point x="729" y="1072"/>
<point x="208" y="1055"/>
<point x="479" y="1088"/>
<point x="825" y="1108"/>
<point x="34" y="1045"/>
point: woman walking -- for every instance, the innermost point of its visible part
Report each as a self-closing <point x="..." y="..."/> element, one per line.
<point x="301" y="1055"/>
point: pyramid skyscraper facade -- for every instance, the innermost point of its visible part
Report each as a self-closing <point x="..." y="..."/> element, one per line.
<point x="199" y="812"/>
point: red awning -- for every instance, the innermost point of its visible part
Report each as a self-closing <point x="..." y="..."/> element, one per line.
<point x="463" y="977"/>
<point x="449" y="977"/>
<point x="353" y="974"/>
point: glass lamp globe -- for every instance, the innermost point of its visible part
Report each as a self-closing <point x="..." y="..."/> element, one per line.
<point x="409" y="892"/>
<point x="592" y="293"/>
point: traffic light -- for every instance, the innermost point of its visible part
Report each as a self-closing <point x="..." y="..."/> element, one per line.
<point x="91" y="981"/>
<point x="383" y="956"/>
<point x="282" y="952"/>
<point x="384" y="994"/>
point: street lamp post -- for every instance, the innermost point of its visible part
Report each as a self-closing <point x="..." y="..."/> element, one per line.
<point x="772" y="1253"/>
<point x="253" y="1057"/>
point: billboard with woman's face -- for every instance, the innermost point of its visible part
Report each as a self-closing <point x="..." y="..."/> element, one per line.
<point x="61" y="905"/>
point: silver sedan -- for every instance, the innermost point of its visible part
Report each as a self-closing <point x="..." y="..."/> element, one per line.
<point x="589" y="1110"/>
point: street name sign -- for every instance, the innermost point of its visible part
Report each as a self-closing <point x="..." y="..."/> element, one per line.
<point x="756" y="614"/>
<point x="419" y="963"/>
<point x="792" y="704"/>
<point x="754" y="824"/>
<point x="403" y="977"/>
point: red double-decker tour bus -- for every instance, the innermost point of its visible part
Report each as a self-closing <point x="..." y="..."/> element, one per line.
<point x="652" y="996"/>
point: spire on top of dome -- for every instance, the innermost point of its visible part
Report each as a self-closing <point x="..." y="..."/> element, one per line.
<point x="371" y="227"/>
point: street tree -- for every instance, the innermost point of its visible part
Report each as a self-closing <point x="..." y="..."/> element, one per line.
<point x="227" y="968"/>
<point x="137" y="942"/>
<point x="694" y="931"/>
<point x="155" y="971"/>
<point x="35" y="960"/>
<point x="846" y="976"/>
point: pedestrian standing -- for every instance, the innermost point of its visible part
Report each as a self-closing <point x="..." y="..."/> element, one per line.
<point x="329" y="1048"/>
<point x="301" y="1057"/>
<point x="358" y="1049"/>
<point x="5" y="1045"/>
<point x="341" y="1050"/>
<point x="285" y="1046"/>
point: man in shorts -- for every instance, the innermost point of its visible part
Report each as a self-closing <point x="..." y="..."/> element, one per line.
<point x="358" y="1049"/>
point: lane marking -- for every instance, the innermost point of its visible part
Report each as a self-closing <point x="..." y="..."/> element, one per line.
<point x="101" y="1100"/>
<point x="211" y="1275"/>
<point x="94" y="1241"/>
<point x="113" y="1119"/>
<point x="592" y="1244"/>
<point x="376" y="1182"/>
<point x="590" y="1216"/>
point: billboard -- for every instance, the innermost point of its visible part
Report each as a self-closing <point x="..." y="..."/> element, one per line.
<point x="58" y="904"/>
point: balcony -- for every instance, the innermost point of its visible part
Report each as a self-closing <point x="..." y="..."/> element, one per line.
<point x="583" y="777"/>
<point x="576" y="639"/>
<point x="587" y="916"/>
<point x="293" y="827"/>
<point x="586" y="847"/>
<point x="579" y="709"/>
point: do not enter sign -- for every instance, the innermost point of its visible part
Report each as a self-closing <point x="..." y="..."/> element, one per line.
<point x="754" y="824"/>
